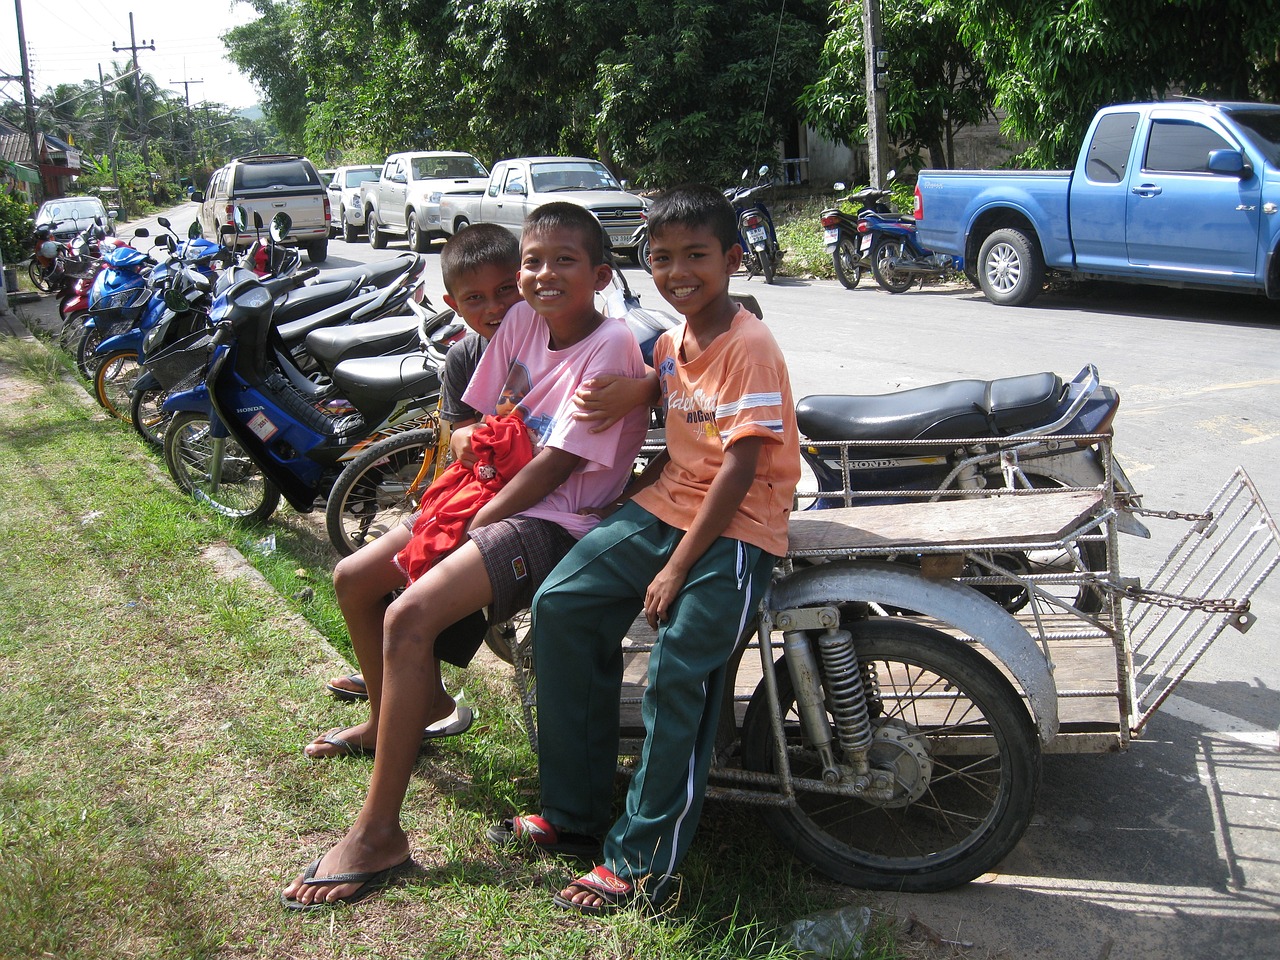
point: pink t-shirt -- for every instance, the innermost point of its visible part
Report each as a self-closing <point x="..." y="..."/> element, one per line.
<point x="520" y="371"/>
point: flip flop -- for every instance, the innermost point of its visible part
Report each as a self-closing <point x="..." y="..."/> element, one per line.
<point x="370" y="883"/>
<point x="342" y="693"/>
<point x="456" y="723"/>
<point x="346" y="748"/>
<point x="533" y="832"/>
<point x="605" y="884"/>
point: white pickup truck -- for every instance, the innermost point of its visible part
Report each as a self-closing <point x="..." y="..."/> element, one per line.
<point x="405" y="199"/>
<point x="515" y="187"/>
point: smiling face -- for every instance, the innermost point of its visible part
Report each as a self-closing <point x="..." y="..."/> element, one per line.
<point x="559" y="281"/>
<point x="691" y="270"/>
<point x="483" y="296"/>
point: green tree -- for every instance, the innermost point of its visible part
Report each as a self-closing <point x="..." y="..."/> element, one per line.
<point x="266" y="50"/>
<point x="936" y="85"/>
<point x="1053" y="64"/>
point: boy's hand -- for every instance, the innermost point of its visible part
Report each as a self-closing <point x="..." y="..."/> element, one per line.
<point x="460" y="445"/>
<point x="662" y="593"/>
<point x="606" y="399"/>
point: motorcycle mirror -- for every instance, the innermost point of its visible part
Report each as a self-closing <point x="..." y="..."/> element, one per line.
<point x="240" y="216"/>
<point x="227" y="229"/>
<point x="280" y="225"/>
<point x="889" y="177"/>
<point x="764" y="170"/>
<point x="744" y="173"/>
<point x="163" y="222"/>
<point x="141" y="232"/>
<point x="257" y="220"/>
<point x="838" y="186"/>
<point x="193" y="231"/>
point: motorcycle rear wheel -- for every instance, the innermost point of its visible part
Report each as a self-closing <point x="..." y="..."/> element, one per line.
<point x="642" y="255"/>
<point x="961" y="745"/>
<point x="371" y="495"/>
<point x="112" y="380"/>
<point x="847" y="263"/>
<point x="243" y="493"/>
<point x="883" y="254"/>
<point x="72" y="331"/>
<point x="767" y="265"/>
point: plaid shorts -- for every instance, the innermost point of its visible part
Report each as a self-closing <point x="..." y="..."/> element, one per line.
<point x="518" y="553"/>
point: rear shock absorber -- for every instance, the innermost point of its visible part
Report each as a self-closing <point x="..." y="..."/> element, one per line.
<point x="845" y="696"/>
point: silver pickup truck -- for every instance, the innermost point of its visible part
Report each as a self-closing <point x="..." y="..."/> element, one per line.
<point x="518" y="186"/>
<point x="405" y="198"/>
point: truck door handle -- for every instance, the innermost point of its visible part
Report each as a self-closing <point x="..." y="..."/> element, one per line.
<point x="1146" y="190"/>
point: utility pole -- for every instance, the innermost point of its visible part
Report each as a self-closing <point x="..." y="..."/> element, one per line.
<point x="191" y="130"/>
<point x="29" y="102"/>
<point x="134" y="47"/>
<point x="877" y="93"/>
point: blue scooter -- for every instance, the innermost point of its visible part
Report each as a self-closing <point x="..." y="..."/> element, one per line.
<point x="897" y="258"/>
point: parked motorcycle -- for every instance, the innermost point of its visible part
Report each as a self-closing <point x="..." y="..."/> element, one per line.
<point x="897" y="258"/>
<point x="756" y="233"/>
<point x="888" y="470"/>
<point x="840" y="234"/>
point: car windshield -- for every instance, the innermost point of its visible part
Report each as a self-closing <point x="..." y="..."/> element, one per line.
<point x="354" y="178"/>
<point x="1262" y="127"/>
<point x="447" y="168"/>
<point x="572" y="175"/>
<point x="83" y="208"/>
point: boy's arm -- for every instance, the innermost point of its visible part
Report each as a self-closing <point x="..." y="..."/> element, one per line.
<point x="608" y="398"/>
<point x="723" y="500"/>
<point x="541" y="475"/>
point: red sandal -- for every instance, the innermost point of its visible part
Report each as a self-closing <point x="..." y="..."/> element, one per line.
<point x="537" y="833"/>
<point x="605" y="884"/>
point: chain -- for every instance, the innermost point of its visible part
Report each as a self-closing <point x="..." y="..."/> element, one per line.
<point x="1175" y="602"/>
<point x="1171" y="515"/>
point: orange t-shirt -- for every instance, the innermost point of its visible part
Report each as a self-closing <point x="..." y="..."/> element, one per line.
<point x="738" y="387"/>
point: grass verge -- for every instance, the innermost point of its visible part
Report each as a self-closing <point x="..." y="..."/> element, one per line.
<point x="153" y="797"/>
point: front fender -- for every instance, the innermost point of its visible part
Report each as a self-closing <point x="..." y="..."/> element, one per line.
<point x="129" y="340"/>
<point x="195" y="400"/>
<point x="951" y="603"/>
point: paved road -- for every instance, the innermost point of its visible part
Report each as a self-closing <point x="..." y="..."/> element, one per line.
<point x="1172" y="849"/>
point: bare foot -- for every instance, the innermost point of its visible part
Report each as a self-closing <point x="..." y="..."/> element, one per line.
<point x="352" y="855"/>
<point x="342" y="742"/>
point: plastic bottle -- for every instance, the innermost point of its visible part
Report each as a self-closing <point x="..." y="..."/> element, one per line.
<point x="832" y="933"/>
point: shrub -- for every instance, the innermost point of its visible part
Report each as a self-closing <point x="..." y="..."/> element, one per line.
<point x="15" y="227"/>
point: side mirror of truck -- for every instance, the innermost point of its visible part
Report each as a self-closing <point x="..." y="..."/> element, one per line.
<point x="1231" y="162"/>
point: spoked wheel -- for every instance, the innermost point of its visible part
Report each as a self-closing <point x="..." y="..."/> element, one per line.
<point x="72" y="332"/>
<point x="502" y="638"/>
<point x="113" y="379"/>
<point x="847" y="263"/>
<point x="956" y="740"/>
<point x="147" y="417"/>
<point x="241" y="491"/>
<point x="88" y="346"/>
<point x="375" y="493"/>
<point x="882" y="257"/>
<point x="37" y="276"/>
<point x="642" y="254"/>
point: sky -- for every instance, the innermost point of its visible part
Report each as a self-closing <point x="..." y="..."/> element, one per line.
<point x="68" y="39"/>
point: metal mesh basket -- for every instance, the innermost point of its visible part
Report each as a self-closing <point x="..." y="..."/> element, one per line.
<point x="181" y="360"/>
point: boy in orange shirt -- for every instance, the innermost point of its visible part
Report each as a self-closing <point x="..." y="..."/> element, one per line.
<point x="694" y="547"/>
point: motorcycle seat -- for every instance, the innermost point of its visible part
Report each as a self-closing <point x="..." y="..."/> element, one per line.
<point x="295" y="331"/>
<point x="330" y="345"/>
<point x="956" y="409"/>
<point x="386" y="379"/>
<point x="376" y="274"/>
<point x="302" y="301"/>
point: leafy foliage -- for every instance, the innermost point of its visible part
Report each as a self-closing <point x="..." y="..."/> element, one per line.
<point x="936" y="85"/>
<point x="15" y="227"/>
<point x="1053" y="64"/>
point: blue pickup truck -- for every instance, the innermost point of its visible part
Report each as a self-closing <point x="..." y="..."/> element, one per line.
<point x="1181" y="194"/>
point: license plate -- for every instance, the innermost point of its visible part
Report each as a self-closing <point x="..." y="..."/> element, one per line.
<point x="756" y="235"/>
<point x="621" y="237"/>
<point x="831" y="235"/>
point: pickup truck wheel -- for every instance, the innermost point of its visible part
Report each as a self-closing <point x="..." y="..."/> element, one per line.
<point x="350" y="232"/>
<point x="419" y="242"/>
<point x="1010" y="268"/>
<point x="318" y="251"/>
<point x="882" y="257"/>
<point x="461" y="225"/>
<point x="377" y="239"/>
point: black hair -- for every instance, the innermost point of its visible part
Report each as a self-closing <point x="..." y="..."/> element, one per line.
<point x="561" y="215"/>
<point x="476" y="247"/>
<point x="695" y="205"/>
